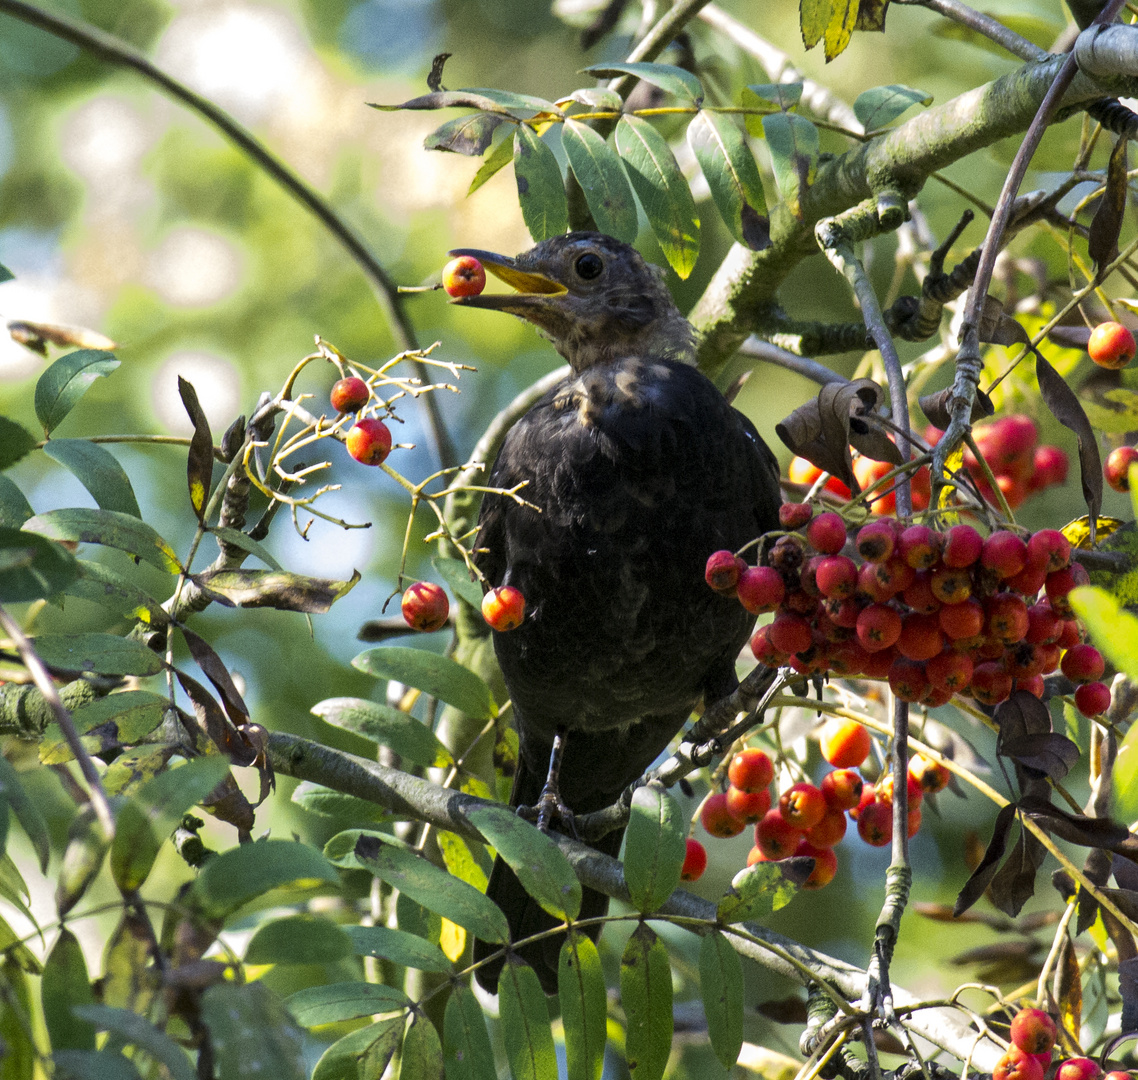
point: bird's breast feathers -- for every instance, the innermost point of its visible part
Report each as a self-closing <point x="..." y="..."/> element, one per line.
<point x="631" y="384"/>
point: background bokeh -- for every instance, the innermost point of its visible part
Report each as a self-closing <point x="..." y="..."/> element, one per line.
<point x="122" y="211"/>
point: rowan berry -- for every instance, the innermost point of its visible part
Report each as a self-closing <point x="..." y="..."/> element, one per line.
<point x="950" y="670"/>
<point x="963" y="620"/>
<point x="1033" y="1031"/>
<point x="991" y="684"/>
<point x="1017" y="1065"/>
<point x="921" y="637"/>
<point x="826" y="533"/>
<point x="425" y="606"/>
<point x="1004" y="553"/>
<point x="803" y="805"/>
<point x="842" y="788"/>
<point x="1078" y="1068"/>
<point x="1111" y="345"/>
<point x="829" y="830"/>
<point x="776" y="837"/>
<point x="751" y="770"/>
<point x="845" y="743"/>
<point x="747" y="806"/>
<point x="878" y="627"/>
<point x="463" y="277"/>
<point x="349" y="394"/>
<point x="504" y="608"/>
<point x="920" y="547"/>
<point x="1006" y="617"/>
<point x="1049" y="550"/>
<point x="875" y="542"/>
<point x="875" y="824"/>
<point x="695" y="861"/>
<point x="1092" y="699"/>
<point x="760" y="589"/>
<point x="722" y="571"/>
<point x="717" y="819"/>
<point x="1083" y="664"/>
<point x="962" y="547"/>
<point x="908" y="679"/>
<point x="930" y="775"/>
<point x="825" y="864"/>
<point x="369" y="441"/>
<point x="790" y="633"/>
<point x="794" y="515"/>
<point x="1116" y="468"/>
<point x="951" y="585"/>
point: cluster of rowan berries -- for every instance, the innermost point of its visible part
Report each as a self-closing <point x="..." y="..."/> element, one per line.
<point x="1033" y="1035"/>
<point x="807" y="819"/>
<point x="369" y="439"/>
<point x="936" y="614"/>
<point x="867" y="472"/>
<point x="425" y="607"/>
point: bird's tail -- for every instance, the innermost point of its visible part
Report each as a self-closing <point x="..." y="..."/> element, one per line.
<point x="524" y="914"/>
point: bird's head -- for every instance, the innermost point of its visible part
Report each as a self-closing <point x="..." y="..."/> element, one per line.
<point x="594" y="297"/>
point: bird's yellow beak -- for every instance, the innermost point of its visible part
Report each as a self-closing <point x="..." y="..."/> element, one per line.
<point x="503" y="267"/>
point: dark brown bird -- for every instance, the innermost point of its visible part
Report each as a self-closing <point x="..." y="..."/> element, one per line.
<point x="641" y="469"/>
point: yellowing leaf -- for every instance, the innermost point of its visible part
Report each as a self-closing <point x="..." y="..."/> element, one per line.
<point x="1078" y="532"/>
<point x="452" y="940"/>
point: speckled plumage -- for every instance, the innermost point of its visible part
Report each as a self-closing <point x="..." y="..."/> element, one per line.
<point x="641" y="470"/>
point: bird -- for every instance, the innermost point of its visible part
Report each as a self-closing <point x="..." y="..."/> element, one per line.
<point x="635" y="469"/>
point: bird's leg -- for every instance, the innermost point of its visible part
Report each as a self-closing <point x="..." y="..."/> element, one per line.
<point x="549" y="804"/>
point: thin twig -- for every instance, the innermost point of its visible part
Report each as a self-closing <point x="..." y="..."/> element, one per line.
<point x="113" y="51"/>
<point x="63" y="718"/>
<point x="983" y="24"/>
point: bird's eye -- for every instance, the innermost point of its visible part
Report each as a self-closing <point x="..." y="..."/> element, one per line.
<point x="589" y="266"/>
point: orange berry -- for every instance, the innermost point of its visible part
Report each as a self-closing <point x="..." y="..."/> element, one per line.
<point x="504" y="608"/>
<point x="845" y="743"/>
<point x="464" y="276"/>
<point x="425" y="606"/>
<point x="1111" y="345"/>
<point x="369" y="441"/>
<point x="750" y="770"/>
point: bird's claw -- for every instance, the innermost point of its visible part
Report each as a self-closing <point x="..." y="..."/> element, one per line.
<point x="550" y="808"/>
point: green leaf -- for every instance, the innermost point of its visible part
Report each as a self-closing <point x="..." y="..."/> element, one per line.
<point x="423" y="882"/>
<point x="26" y="811"/>
<point x="794" y="147"/>
<point x="199" y="461"/>
<point x="6" y="274"/>
<point x="14" y="507"/>
<point x="65" y="985"/>
<point x="733" y="177"/>
<point x="598" y="97"/>
<point x="134" y="848"/>
<point x="466" y="1046"/>
<point x="721" y="984"/>
<point x="15" y="442"/>
<point x="499" y="158"/>
<point x="317" y="799"/>
<point x="883" y="104"/>
<point x="646" y="994"/>
<point x="241" y="874"/>
<point x="422" y="1057"/>
<point x="362" y="1055"/>
<point x="93" y="1065"/>
<point x="137" y="1031"/>
<point x="399" y="947"/>
<point x="598" y="170"/>
<point x="813" y="16"/>
<point x="66" y="381"/>
<point x="298" y="939"/>
<point x="654" y="852"/>
<point x="663" y="191"/>
<point x="402" y="733"/>
<point x="1125" y="778"/>
<point x="87" y="843"/>
<point x="32" y="567"/>
<point x="19" y="1061"/>
<point x="329" y="1004"/>
<point x="436" y="675"/>
<point x="469" y="135"/>
<point x="277" y="589"/>
<point x="251" y="1032"/>
<point x="584" y="1007"/>
<point x="1117" y="417"/>
<point x="781" y="96"/>
<point x="755" y="892"/>
<point x="106" y="654"/>
<point x="127" y="983"/>
<point x="126" y="717"/>
<point x="245" y="543"/>
<point x="1111" y="627"/>
<point x="17" y="952"/>
<point x="541" y="191"/>
<point x="108" y="528"/>
<point x="525" y="1022"/>
<point x="98" y="470"/>
<point x="477" y="97"/>
<point x="455" y="574"/>
<point x="108" y="588"/>
<point x="167" y="796"/>
<point x="460" y="861"/>
<point x="542" y="868"/>
<point x="675" y="80"/>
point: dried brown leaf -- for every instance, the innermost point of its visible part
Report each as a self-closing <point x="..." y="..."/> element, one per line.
<point x="199" y="464"/>
<point x="981" y="877"/>
<point x="1102" y="238"/>
<point x="935" y="407"/>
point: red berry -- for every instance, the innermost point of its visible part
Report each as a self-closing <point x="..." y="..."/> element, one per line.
<point x="765" y="650"/>
<point x="908" y="679"/>
<point x="722" y="571"/>
<point x="869" y="586"/>
<point x="1060" y="583"/>
<point x="877" y="664"/>
<point x="1016" y="1065"/>
<point x="826" y="533"/>
<point x="463" y="277"/>
<point x="867" y="472"/>
<point x="875" y="541"/>
<point x="930" y="775"/>
<point x="950" y="670"/>
<point x="695" y="861"/>
<point x="920" y="547"/>
<point x="803" y="805"/>
<point x="921" y="637"/>
<point x="1033" y="684"/>
<point x="1049" y="467"/>
<point x="790" y="633"/>
<point x="1069" y="634"/>
<point x="504" y="608"/>
<point x="750" y="770"/>
<point x="825" y="863"/>
<point x="1048" y="550"/>
<point x="1023" y="661"/>
<point x="369" y="441"/>
<point x="875" y="823"/>
<point x="1043" y="625"/>
<point x="349" y="395"/>
<point x="775" y="837"/>
<point x="755" y="855"/>
<point x="845" y="743"/>
<point x="951" y="585"/>
<point x="1033" y="1031"/>
<point x="1111" y="345"/>
<point x="919" y="595"/>
<point x="717" y="819"/>
<point x="794" y="515"/>
<point x="747" y="806"/>
<point x="836" y="577"/>
<point x="1092" y="699"/>
<point x="1004" y="553"/>
<point x="1083" y="664"/>
<point x="425" y="606"/>
<point x="878" y="627"/>
<point x="962" y="621"/>
<point x="962" y="547"/>
<point x="1027" y="582"/>
<point x="1116" y="469"/>
<point x="829" y="830"/>
<point x="760" y="589"/>
<point x="842" y="788"/>
<point x="894" y="575"/>
<point x="991" y="684"/>
<point x="1078" y="1068"/>
<point x="1006" y="617"/>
